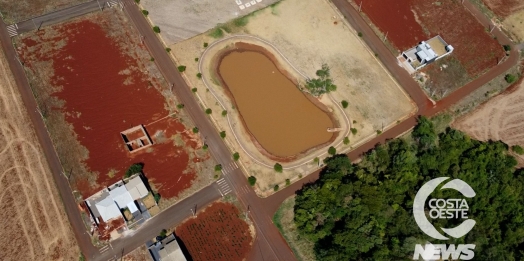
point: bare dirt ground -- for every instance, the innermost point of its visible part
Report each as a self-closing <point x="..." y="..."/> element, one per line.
<point x="20" y="10"/>
<point x="501" y="118"/>
<point x="139" y="254"/>
<point x="183" y="19"/>
<point x="311" y="37"/>
<point x="504" y="8"/>
<point x="33" y="222"/>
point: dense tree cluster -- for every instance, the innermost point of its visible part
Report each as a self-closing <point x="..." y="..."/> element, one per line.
<point x="322" y="84"/>
<point x="364" y="211"/>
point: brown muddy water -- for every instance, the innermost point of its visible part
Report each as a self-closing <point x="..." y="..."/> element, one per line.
<point x="280" y="117"/>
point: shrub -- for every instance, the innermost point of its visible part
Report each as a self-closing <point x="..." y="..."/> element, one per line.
<point x="156" y="29"/>
<point x="344" y="104"/>
<point x="507" y="48"/>
<point x="354" y="131"/>
<point x="236" y="156"/>
<point x="157" y="197"/>
<point x="316" y="160"/>
<point x="222" y="134"/>
<point x="288" y="182"/>
<point x="168" y="49"/>
<point x="205" y="45"/>
<point x="208" y="111"/>
<point x="163" y="233"/>
<point x="195" y="130"/>
<point x="360" y="34"/>
<point x="194" y="90"/>
<point x="216" y="176"/>
<point x="275" y="188"/>
<point x="252" y="181"/>
<point x="204" y="147"/>
<point x="224" y="113"/>
<point x="242" y="21"/>
<point x="216" y="33"/>
<point x="332" y="150"/>
<point x="199" y="75"/>
<point x="181" y="68"/>
<point x="196" y="59"/>
<point x="180" y="106"/>
<point x="145" y="12"/>
<point x="218" y="167"/>
<point x="137" y="1"/>
<point x="133" y="169"/>
<point x="510" y="78"/>
<point x="152" y="59"/>
<point x="517" y="149"/>
<point x="278" y="168"/>
<point x="346" y="141"/>
<point x="379" y="132"/>
<point x="354" y="121"/>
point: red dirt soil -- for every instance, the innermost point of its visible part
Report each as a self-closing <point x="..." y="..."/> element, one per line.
<point x="504" y="8"/>
<point x="395" y="18"/>
<point x="474" y="47"/>
<point x="99" y="106"/>
<point x="216" y="234"/>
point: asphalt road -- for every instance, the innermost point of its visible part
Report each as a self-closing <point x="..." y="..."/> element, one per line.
<point x="60" y="15"/>
<point x="269" y="245"/>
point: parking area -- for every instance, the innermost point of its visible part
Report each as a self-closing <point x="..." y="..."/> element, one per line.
<point x="183" y="19"/>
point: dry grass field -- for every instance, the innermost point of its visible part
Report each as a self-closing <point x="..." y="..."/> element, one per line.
<point x="33" y="222"/>
<point x="313" y="34"/>
<point x="515" y="24"/>
<point x="20" y="10"/>
<point x="501" y="118"/>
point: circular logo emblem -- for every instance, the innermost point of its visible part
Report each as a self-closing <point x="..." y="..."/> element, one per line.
<point x="450" y="208"/>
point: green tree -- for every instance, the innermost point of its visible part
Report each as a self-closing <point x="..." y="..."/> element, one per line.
<point x="181" y="68"/>
<point x="288" y="182"/>
<point x="252" y="180"/>
<point x="517" y="149"/>
<point x="218" y="167"/>
<point x="354" y="131"/>
<point x="236" y="156"/>
<point x="322" y="84"/>
<point x="278" y="168"/>
<point x="134" y="169"/>
<point x="346" y="140"/>
<point x="510" y="78"/>
<point x="194" y="90"/>
<point x="168" y="50"/>
<point x="224" y="113"/>
<point x="145" y="12"/>
<point x="275" y="188"/>
<point x="180" y="106"/>
<point x="345" y="104"/>
<point x="223" y="134"/>
<point x="332" y="150"/>
<point x="374" y="199"/>
<point x="195" y="130"/>
<point x="208" y="111"/>
<point x="156" y="29"/>
<point x="199" y="75"/>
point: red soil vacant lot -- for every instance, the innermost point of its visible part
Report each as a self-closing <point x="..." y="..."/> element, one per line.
<point x="216" y="234"/>
<point x="504" y="8"/>
<point x="103" y="90"/>
<point x="406" y="22"/>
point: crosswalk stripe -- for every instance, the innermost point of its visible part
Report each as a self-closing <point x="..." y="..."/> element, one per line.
<point x="226" y="192"/>
<point x="11" y="29"/>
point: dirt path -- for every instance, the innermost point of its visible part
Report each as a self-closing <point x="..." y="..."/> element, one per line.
<point x="32" y="215"/>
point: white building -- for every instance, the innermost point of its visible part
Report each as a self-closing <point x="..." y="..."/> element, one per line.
<point x="424" y="53"/>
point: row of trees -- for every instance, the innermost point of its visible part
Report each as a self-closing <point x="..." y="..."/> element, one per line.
<point x="322" y="84"/>
<point x="364" y="211"/>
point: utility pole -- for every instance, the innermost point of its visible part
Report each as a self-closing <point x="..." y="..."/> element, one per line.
<point x="360" y="7"/>
<point x="247" y="212"/>
<point x="99" y="5"/>
<point x="386" y="36"/>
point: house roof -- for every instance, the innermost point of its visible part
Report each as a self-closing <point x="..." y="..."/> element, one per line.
<point x="121" y="196"/>
<point x="136" y="188"/>
<point x="108" y="209"/>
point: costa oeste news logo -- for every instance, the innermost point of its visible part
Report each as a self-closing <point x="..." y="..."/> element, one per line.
<point x="443" y="209"/>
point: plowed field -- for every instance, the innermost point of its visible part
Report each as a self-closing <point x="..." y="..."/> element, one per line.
<point x="501" y="118"/>
<point x="217" y="234"/>
<point x="93" y="79"/>
<point x="33" y="224"/>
